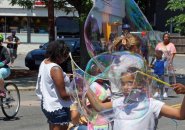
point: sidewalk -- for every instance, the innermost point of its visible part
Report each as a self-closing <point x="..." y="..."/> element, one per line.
<point x="26" y="47"/>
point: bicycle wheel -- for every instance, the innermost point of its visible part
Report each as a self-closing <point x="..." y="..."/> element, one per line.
<point x="11" y="103"/>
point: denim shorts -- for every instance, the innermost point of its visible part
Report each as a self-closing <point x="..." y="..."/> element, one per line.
<point x="60" y="116"/>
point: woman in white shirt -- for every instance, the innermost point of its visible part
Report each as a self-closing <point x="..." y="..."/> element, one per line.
<point x="52" y="86"/>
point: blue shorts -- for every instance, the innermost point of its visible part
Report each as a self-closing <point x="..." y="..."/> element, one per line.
<point x="60" y="116"/>
<point x="4" y="73"/>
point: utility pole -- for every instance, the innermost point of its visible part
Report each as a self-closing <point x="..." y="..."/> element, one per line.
<point x="51" y="22"/>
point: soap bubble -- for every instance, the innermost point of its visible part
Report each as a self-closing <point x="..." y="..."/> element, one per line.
<point x="106" y="78"/>
<point x="110" y="20"/>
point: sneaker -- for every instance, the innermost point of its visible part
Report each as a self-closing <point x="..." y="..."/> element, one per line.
<point x="156" y="95"/>
<point x="165" y="95"/>
<point x="2" y="94"/>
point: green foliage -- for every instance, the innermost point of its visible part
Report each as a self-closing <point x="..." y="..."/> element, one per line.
<point x="24" y="3"/>
<point x="174" y="5"/>
<point x="142" y="4"/>
<point x="82" y="6"/>
<point x="178" y="20"/>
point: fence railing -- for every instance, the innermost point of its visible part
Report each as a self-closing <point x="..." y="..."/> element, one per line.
<point x="179" y="42"/>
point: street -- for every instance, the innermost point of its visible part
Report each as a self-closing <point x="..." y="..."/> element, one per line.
<point x="30" y="116"/>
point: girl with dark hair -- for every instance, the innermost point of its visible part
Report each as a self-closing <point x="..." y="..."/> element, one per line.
<point x="52" y="86"/>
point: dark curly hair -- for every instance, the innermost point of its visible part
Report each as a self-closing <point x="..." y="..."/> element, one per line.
<point x="166" y="33"/>
<point x="57" y="50"/>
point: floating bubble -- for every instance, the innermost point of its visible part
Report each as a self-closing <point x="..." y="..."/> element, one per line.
<point x="110" y="20"/>
<point x="115" y="84"/>
<point x="112" y="78"/>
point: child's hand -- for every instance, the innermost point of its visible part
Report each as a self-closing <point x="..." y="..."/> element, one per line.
<point x="179" y="88"/>
<point x="151" y="66"/>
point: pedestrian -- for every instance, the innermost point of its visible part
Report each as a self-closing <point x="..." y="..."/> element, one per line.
<point x="53" y="86"/>
<point x="169" y="52"/>
<point x="4" y="68"/>
<point x="120" y="43"/>
<point x="12" y="44"/>
<point x="134" y="101"/>
<point x="159" y="69"/>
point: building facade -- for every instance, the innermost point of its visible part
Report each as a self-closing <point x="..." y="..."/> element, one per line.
<point x="31" y="25"/>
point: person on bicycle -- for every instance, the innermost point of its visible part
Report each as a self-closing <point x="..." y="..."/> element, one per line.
<point x="4" y="68"/>
<point x="12" y="44"/>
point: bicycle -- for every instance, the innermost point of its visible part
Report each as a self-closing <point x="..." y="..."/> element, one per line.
<point x="11" y="103"/>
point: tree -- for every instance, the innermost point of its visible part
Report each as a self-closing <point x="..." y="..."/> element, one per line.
<point x="82" y="6"/>
<point x="178" y="20"/>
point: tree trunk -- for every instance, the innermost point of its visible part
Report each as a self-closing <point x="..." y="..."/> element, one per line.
<point x="84" y="56"/>
<point x="51" y="22"/>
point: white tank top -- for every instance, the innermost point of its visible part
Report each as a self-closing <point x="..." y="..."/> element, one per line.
<point x="46" y="89"/>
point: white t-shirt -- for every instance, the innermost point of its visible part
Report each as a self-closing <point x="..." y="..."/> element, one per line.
<point x="126" y="120"/>
<point x="47" y="91"/>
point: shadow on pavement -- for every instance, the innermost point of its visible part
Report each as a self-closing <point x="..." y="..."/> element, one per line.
<point x="23" y="78"/>
<point x="22" y="73"/>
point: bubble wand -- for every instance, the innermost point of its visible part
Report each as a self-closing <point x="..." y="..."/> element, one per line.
<point x="152" y="77"/>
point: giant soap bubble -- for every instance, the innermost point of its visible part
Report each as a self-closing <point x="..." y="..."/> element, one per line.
<point x="109" y="19"/>
<point x="114" y="85"/>
<point x="115" y="78"/>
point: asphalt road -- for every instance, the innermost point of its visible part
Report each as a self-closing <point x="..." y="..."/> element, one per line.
<point x="30" y="116"/>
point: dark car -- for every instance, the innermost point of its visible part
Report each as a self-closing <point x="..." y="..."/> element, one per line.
<point x="34" y="58"/>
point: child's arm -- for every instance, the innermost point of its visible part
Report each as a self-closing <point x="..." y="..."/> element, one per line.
<point x="96" y="103"/>
<point x="174" y="113"/>
<point x="179" y="88"/>
<point x="152" y="61"/>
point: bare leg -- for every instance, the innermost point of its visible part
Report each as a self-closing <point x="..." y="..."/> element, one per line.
<point x="57" y="127"/>
<point x="2" y="84"/>
<point x="2" y="90"/>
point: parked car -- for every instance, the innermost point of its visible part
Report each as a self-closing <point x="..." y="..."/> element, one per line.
<point x="34" y="58"/>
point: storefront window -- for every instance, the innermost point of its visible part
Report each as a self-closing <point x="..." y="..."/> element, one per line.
<point x="20" y="24"/>
<point x="39" y="24"/>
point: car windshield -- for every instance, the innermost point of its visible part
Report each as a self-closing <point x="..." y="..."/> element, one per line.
<point x="67" y="26"/>
<point x="72" y="44"/>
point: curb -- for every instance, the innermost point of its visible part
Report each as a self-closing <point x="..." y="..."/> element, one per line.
<point x="27" y="89"/>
